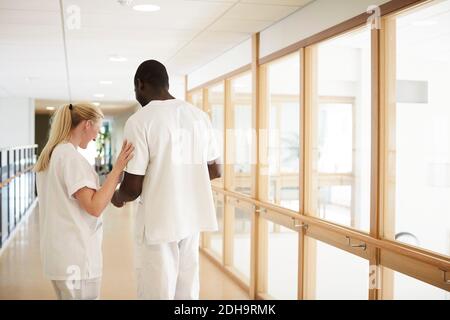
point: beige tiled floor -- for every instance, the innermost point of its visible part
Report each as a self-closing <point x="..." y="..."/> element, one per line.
<point x="21" y="273"/>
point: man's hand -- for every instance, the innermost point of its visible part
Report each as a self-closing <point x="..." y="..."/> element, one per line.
<point x="214" y="169"/>
<point x="115" y="200"/>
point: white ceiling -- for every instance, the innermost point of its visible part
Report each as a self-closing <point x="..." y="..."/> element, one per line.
<point x="184" y="34"/>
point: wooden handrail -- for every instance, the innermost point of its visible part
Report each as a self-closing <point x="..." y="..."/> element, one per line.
<point x="8" y="181"/>
<point x="426" y="256"/>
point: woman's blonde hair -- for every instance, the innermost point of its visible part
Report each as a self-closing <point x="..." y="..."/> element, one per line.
<point x="63" y="121"/>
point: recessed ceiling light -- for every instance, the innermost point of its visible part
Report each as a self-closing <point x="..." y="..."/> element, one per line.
<point x="99" y="95"/>
<point x="125" y="2"/>
<point x="96" y="104"/>
<point x="146" y="7"/>
<point x="105" y="82"/>
<point x="32" y="78"/>
<point x="117" y="58"/>
<point x="424" y="23"/>
<point x="50" y="108"/>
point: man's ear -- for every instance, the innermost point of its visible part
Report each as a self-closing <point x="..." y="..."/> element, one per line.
<point x="140" y="85"/>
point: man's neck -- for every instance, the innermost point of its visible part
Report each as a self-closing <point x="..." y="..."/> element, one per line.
<point x="162" y="97"/>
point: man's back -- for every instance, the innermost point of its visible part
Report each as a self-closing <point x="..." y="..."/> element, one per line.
<point x="173" y="141"/>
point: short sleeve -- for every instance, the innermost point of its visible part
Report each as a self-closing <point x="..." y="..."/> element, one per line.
<point x="78" y="174"/>
<point x="136" y="134"/>
<point x="213" y="152"/>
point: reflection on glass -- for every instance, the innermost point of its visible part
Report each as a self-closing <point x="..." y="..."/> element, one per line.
<point x="342" y="130"/>
<point x="283" y="82"/>
<point x="196" y="98"/>
<point x="241" y="245"/>
<point x="338" y="274"/>
<point x="242" y="134"/>
<point x="216" y="237"/>
<point x="420" y="157"/>
<point x="408" y="288"/>
<point x="283" y="262"/>
<point x="216" y="108"/>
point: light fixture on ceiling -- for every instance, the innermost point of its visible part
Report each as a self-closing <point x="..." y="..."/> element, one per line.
<point x="97" y="104"/>
<point x="32" y="78"/>
<point x="117" y="58"/>
<point x="99" y="95"/>
<point x="50" y="108"/>
<point x="146" y="7"/>
<point x="125" y="2"/>
<point x="425" y="23"/>
<point x="105" y="82"/>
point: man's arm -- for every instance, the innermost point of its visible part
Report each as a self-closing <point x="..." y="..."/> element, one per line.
<point x="130" y="189"/>
<point x="214" y="169"/>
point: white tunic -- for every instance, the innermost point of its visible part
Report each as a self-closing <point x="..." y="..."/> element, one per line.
<point x="173" y="141"/>
<point x="70" y="238"/>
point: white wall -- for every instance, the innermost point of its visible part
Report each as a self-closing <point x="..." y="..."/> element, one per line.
<point x="16" y="122"/>
<point x="231" y="60"/>
<point x="176" y="83"/>
<point x="311" y="19"/>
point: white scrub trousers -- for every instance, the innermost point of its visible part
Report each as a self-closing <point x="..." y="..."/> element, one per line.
<point x="79" y="290"/>
<point x="168" y="271"/>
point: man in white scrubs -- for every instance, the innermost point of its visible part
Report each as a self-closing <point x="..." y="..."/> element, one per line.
<point x="175" y="157"/>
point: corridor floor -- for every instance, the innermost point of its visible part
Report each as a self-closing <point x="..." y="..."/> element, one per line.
<point x="21" y="274"/>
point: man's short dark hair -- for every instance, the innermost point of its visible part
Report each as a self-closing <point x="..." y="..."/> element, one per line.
<point x="154" y="73"/>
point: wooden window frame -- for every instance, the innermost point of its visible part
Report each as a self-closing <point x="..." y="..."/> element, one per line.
<point x="421" y="264"/>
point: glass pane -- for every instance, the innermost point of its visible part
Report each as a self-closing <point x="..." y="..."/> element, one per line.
<point x="408" y="288"/>
<point x="241" y="242"/>
<point x="341" y="140"/>
<point x="216" y="108"/>
<point x="338" y="274"/>
<point x="196" y="98"/>
<point x="283" y="262"/>
<point x="420" y="157"/>
<point x="283" y="81"/>
<point x="243" y="134"/>
<point x="217" y="236"/>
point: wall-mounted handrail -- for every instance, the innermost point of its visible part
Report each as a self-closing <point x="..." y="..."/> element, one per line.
<point x="17" y="186"/>
<point x="425" y="256"/>
<point x="3" y="184"/>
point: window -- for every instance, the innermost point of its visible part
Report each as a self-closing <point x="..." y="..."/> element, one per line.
<point x="283" y="262"/>
<point x="408" y="288"/>
<point x="283" y="87"/>
<point x="241" y="241"/>
<point x="196" y="98"/>
<point x="419" y="119"/>
<point x="242" y="135"/>
<point x="341" y="129"/>
<point x="216" y="238"/>
<point x="335" y="274"/>
<point x="216" y="109"/>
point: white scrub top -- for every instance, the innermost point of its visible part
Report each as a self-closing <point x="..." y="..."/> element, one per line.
<point x="173" y="141"/>
<point x="70" y="238"/>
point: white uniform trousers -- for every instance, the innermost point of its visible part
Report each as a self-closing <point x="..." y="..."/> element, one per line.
<point x="77" y="290"/>
<point x="168" y="271"/>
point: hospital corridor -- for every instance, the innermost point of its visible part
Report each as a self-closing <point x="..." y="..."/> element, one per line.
<point x="22" y="276"/>
<point x="225" y="150"/>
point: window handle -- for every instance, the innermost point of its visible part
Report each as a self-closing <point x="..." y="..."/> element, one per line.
<point x="300" y="225"/>
<point x="446" y="279"/>
<point x="361" y="245"/>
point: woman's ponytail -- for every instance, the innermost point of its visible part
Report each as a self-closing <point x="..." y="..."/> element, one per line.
<point x="64" y="119"/>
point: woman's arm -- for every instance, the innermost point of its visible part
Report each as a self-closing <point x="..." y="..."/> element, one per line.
<point x="95" y="201"/>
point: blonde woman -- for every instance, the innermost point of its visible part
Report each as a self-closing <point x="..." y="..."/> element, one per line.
<point x="71" y="202"/>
